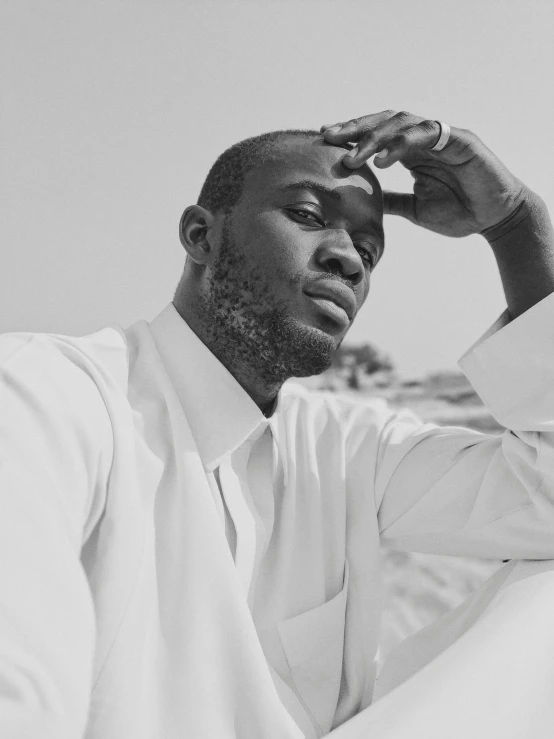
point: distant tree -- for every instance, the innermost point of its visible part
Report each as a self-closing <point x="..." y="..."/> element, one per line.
<point x="365" y="357"/>
<point x="353" y="380"/>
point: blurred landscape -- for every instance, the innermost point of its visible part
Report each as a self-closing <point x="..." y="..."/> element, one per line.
<point x="419" y="588"/>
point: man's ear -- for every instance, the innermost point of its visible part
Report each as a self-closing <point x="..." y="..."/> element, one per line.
<point x="195" y="232"/>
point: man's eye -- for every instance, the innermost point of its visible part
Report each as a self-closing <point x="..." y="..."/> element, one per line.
<point x="367" y="256"/>
<point x="307" y="215"/>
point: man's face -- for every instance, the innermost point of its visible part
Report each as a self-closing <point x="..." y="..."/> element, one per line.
<point x="297" y="253"/>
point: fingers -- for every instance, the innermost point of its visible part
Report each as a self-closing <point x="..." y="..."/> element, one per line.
<point x="394" y="145"/>
<point x="352" y="130"/>
<point x="400" y="204"/>
<point x="389" y="135"/>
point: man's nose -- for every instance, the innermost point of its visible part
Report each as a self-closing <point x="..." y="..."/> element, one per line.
<point x="338" y="255"/>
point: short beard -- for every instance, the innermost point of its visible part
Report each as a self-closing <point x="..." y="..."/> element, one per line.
<point x="248" y="327"/>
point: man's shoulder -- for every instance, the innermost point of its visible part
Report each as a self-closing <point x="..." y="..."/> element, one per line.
<point x="103" y="352"/>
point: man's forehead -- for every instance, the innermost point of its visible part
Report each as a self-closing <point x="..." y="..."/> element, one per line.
<point x="304" y="158"/>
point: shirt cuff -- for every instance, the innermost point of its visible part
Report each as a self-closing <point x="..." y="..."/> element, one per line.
<point x="511" y="367"/>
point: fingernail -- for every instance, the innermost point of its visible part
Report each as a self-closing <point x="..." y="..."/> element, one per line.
<point x="352" y="153"/>
<point x="382" y="154"/>
<point x="333" y="129"/>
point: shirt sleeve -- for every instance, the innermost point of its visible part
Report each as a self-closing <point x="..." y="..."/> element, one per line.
<point x="449" y="490"/>
<point x="53" y="449"/>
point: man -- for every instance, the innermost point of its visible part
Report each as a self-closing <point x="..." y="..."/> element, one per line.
<point x="189" y="549"/>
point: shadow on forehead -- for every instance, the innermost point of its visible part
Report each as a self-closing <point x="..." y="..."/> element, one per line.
<point x="337" y="169"/>
<point x="306" y="142"/>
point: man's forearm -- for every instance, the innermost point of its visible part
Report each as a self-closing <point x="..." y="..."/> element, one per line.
<point x="523" y="245"/>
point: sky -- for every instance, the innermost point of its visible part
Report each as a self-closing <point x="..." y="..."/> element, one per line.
<point x="113" y="112"/>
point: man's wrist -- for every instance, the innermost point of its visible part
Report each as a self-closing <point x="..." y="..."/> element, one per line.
<point x="523" y="212"/>
<point x="523" y="245"/>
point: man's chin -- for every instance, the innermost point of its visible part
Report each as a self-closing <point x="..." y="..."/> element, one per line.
<point x="310" y="350"/>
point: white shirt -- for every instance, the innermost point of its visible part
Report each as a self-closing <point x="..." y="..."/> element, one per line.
<point x="122" y="610"/>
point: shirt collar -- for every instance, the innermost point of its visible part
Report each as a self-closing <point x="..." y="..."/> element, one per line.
<point x="219" y="411"/>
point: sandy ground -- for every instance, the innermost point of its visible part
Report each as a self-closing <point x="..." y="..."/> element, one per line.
<point x="421" y="587"/>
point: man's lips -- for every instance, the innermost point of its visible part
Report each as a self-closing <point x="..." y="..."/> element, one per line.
<point x="337" y="293"/>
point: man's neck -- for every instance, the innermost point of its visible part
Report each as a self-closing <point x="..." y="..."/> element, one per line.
<point x="262" y="391"/>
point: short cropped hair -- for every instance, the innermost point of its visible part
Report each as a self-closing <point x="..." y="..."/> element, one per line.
<point x="223" y="186"/>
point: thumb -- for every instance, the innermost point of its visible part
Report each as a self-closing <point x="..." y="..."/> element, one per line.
<point x="399" y="204"/>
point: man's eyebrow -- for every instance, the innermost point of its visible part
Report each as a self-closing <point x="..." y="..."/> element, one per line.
<point x="313" y="185"/>
<point x="330" y="192"/>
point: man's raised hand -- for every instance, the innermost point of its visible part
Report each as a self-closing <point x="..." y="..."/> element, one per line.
<point x="460" y="190"/>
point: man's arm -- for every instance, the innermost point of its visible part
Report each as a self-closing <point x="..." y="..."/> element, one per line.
<point x="49" y="460"/>
<point x="456" y="491"/>
<point x="452" y="490"/>
<point x="523" y="244"/>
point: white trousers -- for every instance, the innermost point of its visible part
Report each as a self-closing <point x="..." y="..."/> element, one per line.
<point x="484" y="671"/>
